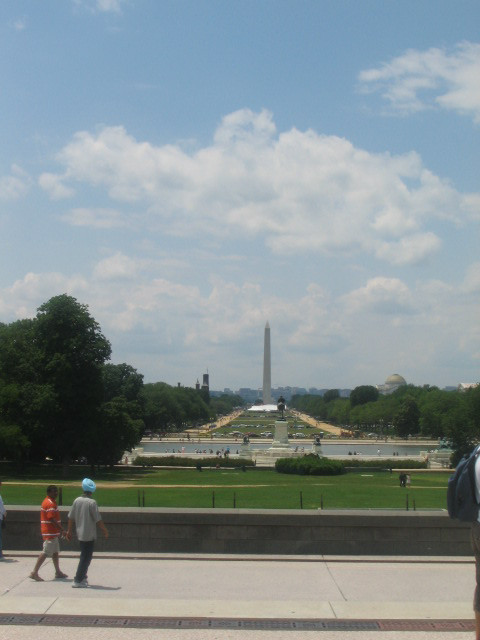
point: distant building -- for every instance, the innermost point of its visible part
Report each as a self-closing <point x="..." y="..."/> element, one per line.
<point x="391" y="384"/>
<point x="206" y="382"/>
<point x="465" y="386"/>
<point x="249" y="395"/>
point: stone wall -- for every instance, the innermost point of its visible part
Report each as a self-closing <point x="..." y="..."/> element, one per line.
<point x="233" y="531"/>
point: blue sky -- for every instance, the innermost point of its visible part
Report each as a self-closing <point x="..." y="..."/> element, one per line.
<point x="190" y="170"/>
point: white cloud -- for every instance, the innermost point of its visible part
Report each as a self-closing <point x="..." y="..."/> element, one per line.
<point x="14" y="185"/>
<point x="118" y="266"/>
<point x="380" y="295"/>
<point x="297" y="190"/>
<point x="22" y="299"/>
<point x="419" y="80"/>
<point x="173" y="331"/>
<point x="471" y="283"/>
<point x="54" y="186"/>
<point x="410" y="249"/>
<point x="19" y="24"/>
<point x="101" y="6"/>
<point x="96" y="218"/>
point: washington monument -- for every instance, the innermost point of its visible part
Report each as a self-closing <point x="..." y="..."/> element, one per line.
<point x="267" y="368"/>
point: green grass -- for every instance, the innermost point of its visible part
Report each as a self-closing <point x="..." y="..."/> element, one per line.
<point x="258" y="422"/>
<point x="253" y="489"/>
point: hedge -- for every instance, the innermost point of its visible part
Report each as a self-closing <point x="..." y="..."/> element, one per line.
<point x="390" y="463"/>
<point x="310" y="465"/>
<point x="181" y="461"/>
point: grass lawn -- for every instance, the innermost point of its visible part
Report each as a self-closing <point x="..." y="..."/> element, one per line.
<point x="258" y="422"/>
<point x="253" y="489"/>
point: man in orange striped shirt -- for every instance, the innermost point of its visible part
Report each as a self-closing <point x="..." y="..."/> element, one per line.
<point x="52" y="530"/>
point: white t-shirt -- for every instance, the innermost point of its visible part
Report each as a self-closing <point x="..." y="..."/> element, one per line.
<point x="86" y="515"/>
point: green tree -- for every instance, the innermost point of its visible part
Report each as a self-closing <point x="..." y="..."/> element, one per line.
<point x="119" y="432"/>
<point x="121" y="381"/>
<point x="435" y="406"/>
<point x="339" y="411"/>
<point x="331" y="394"/>
<point x="224" y="404"/>
<point x="462" y="424"/>
<point x="363" y="394"/>
<point x="171" y="408"/>
<point x="14" y="445"/>
<point x="72" y="353"/>
<point x="25" y="399"/>
<point x="407" y="419"/>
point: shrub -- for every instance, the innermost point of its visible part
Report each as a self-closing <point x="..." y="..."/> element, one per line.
<point x="390" y="463"/>
<point x="177" y="461"/>
<point x="310" y="465"/>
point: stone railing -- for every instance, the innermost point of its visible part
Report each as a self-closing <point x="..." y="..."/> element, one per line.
<point x="259" y="531"/>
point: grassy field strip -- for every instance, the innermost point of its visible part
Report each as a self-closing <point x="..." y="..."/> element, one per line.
<point x="187" y="488"/>
<point x="123" y="485"/>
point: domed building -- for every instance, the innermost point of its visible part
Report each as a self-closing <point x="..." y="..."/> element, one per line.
<point x="391" y="384"/>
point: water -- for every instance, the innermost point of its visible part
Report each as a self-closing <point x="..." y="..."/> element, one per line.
<point x="387" y="449"/>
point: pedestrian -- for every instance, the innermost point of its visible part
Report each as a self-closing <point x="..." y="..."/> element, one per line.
<point x="52" y="530"/>
<point x="475" y="539"/>
<point x="86" y="516"/>
<point x="408" y="481"/>
<point x="3" y="515"/>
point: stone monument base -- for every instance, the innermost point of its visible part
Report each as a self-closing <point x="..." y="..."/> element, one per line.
<point x="281" y="448"/>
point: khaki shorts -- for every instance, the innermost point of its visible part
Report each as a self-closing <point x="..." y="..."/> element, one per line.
<point x="51" y="546"/>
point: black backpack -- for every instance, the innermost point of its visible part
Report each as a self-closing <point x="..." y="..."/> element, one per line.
<point x="461" y="497"/>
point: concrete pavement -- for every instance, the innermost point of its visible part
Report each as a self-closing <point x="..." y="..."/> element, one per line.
<point x="141" y="596"/>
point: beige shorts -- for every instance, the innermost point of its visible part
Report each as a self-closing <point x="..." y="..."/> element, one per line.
<point x="51" y="546"/>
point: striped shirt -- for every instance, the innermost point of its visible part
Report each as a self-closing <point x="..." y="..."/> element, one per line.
<point x="48" y="515"/>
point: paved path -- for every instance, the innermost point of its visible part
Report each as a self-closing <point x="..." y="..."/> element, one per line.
<point x="194" y="597"/>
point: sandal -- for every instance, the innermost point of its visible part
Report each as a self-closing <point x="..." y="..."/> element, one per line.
<point x="36" y="577"/>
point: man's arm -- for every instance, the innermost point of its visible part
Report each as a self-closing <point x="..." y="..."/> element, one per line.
<point x="69" y="529"/>
<point x="104" y="529"/>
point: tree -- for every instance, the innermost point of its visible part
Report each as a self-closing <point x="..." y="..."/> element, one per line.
<point x="462" y="425"/>
<point x="407" y="418"/>
<point x="14" y="445"/>
<point x="72" y="353"/>
<point x="331" y="394"/>
<point x="170" y="408"/>
<point x="363" y="394"/>
<point x="121" y="381"/>
<point x="119" y="432"/>
<point x="435" y="406"/>
<point x="25" y="399"/>
<point x="224" y="404"/>
<point x="339" y="411"/>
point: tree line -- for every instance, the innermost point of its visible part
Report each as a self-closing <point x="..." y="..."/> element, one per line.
<point x="61" y="399"/>
<point x="410" y="410"/>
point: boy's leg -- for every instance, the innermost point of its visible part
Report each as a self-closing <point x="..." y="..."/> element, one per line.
<point x="56" y="564"/>
<point x="40" y="560"/>
<point x="86" y="552"/>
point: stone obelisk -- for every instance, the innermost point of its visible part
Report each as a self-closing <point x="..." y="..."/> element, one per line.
<point x="267" y="368"/>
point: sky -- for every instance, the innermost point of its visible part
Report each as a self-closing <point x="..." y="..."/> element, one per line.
<point x="192" y="169"/>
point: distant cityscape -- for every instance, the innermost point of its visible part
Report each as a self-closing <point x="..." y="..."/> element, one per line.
<point x="267" y="395"/>
<point x="391" y="384"/>
<point x="251" y="395"/>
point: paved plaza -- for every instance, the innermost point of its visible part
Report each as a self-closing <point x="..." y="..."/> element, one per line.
<point x="194" y="597"/>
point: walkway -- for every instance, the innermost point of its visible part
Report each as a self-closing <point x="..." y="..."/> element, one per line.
<point x="194" y="597"/>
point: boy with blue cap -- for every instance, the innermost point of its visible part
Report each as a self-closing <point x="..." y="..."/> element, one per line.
<point x="86" y="516"/>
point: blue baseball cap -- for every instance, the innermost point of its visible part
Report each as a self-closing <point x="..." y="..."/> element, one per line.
<point x="88" y="485"/>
